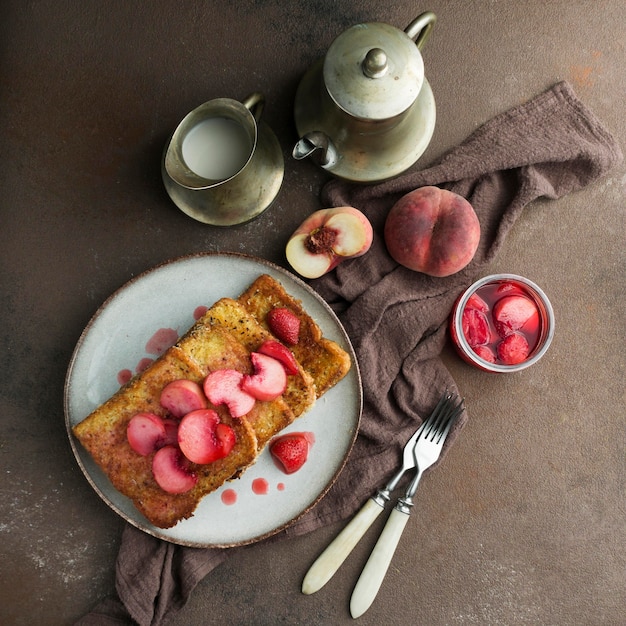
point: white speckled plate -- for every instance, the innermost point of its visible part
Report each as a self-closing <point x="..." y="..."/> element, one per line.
<point x="118" y="338"/>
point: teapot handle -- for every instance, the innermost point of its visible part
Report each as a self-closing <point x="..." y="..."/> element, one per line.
<point x="255" y="103"/>
<point x="420" y="27"/>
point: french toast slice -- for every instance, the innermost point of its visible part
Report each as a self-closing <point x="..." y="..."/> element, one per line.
<point x="223" y="339"/>
<point x="323" y="359"/>
<point x="103" y="435"/>
<point x="300" y="393"/>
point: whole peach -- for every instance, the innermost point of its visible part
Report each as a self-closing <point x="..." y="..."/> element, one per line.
<point x="433" y="231"/>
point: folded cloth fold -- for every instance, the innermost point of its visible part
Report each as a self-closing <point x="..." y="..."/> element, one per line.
<point x="396" y="319"/>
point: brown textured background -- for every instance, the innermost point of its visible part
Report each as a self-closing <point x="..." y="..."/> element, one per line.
<point x="524" y="523"/>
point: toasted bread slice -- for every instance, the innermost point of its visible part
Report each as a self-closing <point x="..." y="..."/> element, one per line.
<point x="103" y="435"/>
<point x="300" y="393"/>
<point x="223" y="339"/>
<point x="323" y="359"/>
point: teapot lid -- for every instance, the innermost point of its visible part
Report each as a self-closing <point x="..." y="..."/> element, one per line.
<point x="373" y="71"/>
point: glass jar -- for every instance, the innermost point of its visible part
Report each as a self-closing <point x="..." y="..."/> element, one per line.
<point x="482" y="319"/>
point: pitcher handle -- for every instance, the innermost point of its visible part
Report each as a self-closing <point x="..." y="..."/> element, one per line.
<point x="420" y="27"/>
<point x="255" y="103"/>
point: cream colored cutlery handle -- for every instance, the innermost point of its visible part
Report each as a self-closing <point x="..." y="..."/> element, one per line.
<point x="335" y="554"/>
<point x="377" y="565"/>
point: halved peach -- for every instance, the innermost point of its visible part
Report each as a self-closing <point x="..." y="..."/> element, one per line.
<point x="513" y="313"/>
<point x="326" y="238"/>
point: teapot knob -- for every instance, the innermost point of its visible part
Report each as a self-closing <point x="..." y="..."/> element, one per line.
<point x="375" y="63"/>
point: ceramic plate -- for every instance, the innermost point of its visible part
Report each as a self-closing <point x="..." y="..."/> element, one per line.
<point x="163" y="302"/>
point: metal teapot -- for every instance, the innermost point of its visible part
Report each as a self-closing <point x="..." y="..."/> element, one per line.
<point x="365" y="112"/>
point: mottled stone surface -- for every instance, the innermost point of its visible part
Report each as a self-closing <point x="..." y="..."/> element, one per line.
<point x="524" y="523"/>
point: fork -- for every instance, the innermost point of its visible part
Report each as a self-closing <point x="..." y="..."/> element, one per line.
<point x="426" y="451"/>
<point x="338" y="550"/>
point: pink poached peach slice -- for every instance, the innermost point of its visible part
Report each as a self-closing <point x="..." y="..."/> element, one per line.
<point x="269" y="379"/>
<point x="203" y="438"/>
<point x="182" y="396"/>
<point x="224" y="387"/>
<point x="171" y="471"/>
<point x="326" y="238"/>
<point x="145" y="433"/>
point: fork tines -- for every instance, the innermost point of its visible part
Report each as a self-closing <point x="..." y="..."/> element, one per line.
<point x="443" y="417"/>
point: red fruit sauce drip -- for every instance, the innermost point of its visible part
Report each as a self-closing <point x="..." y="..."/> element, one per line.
<point x="199" y="311"/>
<point x="163" y="339"/>
<point x="260" y="486"/>
<point x="307" y="434"/>
<point x="229" y="497"/>
<point x="123" y="376"/>
<point x="143" y="364"/>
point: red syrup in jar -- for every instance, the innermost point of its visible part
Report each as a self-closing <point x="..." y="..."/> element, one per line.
<point x="501" y="323"/>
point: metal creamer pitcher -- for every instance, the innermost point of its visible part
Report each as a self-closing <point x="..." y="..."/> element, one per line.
<point x="365" y="112"/>
<point x="223" y="165"/>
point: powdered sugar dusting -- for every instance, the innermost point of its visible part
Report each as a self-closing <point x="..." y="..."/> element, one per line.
<point x="60" y="562"/>
<point x="504" y="589"/>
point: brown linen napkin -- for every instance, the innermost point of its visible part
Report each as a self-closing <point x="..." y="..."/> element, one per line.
<point x="396" y="318"/>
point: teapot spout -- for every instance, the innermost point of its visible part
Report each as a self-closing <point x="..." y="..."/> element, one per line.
<point x="319" y="143"/>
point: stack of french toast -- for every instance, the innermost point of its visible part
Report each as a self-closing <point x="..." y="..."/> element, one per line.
<point x="223" y="338"/>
